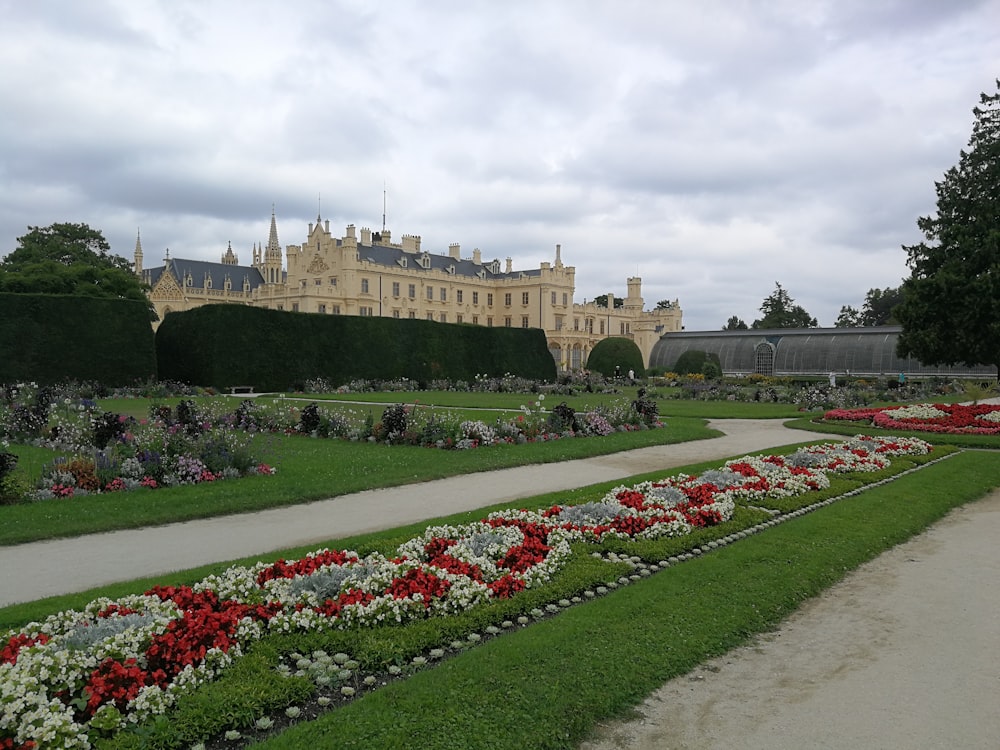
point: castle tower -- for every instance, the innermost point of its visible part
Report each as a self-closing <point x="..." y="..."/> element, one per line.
<point x="138" y="255"/>
<point x="272" y="254"/>
<point x="634" y="298"/>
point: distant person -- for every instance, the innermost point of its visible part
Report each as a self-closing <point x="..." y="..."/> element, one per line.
<point x="618" y="371"/>
<point x="631" y="376"/>
<point x="833" y="379"/>
<point x="902" y="378"/>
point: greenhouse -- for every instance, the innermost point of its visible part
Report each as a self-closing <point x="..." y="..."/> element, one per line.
<point x="805" y="351"/>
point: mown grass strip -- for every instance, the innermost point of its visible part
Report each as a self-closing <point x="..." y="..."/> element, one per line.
<point x="548" y="685"/>
<point x="309" y="469"/>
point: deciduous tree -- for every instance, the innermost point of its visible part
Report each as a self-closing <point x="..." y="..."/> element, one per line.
<point x="68" y="259"/>
<point x="849" y="318"/>
<point x="601" y="300"/>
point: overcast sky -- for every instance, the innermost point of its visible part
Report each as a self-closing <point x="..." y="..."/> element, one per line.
<point x="712" y="148"/>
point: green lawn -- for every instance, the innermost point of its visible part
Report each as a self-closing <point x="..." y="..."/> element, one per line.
<point x="548" y="684"/>
<point x="308" y="469"/>
<point x="544" y="685"/>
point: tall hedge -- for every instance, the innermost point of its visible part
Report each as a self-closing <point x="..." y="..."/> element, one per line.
<point x="615" y="352"/>
<point x="53" y="338"/>
<point x="233" y="345"/>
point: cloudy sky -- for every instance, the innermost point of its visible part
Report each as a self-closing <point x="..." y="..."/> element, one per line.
<point x="712" y="148"/>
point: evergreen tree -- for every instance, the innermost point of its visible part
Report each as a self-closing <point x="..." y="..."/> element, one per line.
<point x="781" y="312"/>
<point x="735" y="324"/>
<point x="950" y="311"/>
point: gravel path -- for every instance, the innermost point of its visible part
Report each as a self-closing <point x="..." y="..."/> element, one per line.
<point x="61" y="566"/>
<point x="904" y="654"/>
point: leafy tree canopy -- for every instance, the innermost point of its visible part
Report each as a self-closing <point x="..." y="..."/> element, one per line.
<point x="878" y="310"/>
<point x="601" y="300"/>
<point x="950" y="310"/>
<point x="735" y="324"/>
<point x="849" y="317"/>
<point x="781" y="312"/>
<point x="68" y="259"/>
<point x="663" y="304"/>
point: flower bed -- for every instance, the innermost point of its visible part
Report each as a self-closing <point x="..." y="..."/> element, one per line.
<point x="950" y="419"/>
<point x="82" y="674"/>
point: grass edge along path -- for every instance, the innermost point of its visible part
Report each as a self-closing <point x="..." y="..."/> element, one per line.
<point x="309" y="470"/>
<point x="548" y="685"/>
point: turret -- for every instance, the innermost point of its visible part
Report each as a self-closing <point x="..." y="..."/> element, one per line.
<point x="634" y="298"/>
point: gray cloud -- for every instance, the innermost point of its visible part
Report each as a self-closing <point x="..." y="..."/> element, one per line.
<point x="711" y="149"/>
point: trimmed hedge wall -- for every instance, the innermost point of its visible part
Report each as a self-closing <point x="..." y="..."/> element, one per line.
<point x="53" y="338"/>
<point x="227" y="345"/>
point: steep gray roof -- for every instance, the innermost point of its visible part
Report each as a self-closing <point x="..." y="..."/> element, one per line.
<point x="394" y="257"/>
<point x="200" y="270"/>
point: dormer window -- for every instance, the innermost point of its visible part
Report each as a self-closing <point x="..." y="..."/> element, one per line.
<point x="451" y="269"/>
<point x="402" y="262"/>
<point x="425" y="261"/>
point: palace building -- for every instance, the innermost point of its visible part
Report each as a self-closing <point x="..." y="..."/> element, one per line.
<point x="365" y="273"/>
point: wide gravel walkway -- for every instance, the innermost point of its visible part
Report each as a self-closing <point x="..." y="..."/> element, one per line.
<point x="61" y="566"/>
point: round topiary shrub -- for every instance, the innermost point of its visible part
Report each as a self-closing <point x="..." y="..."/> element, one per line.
<point x="616" y="352"/>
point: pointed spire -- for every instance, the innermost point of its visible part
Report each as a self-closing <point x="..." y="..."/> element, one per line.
<point x="138" y="254"/>
<point x="273" y="246"/>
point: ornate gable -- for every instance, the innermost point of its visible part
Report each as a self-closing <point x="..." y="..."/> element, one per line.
<point x="166" y="288"/>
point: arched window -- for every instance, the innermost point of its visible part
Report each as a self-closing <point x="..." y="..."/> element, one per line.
<point x="763" y="359"/>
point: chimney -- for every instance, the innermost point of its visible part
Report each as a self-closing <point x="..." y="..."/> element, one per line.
<point x="510" y="266"/>
<point x="455" y="251"/>
<point x="477" y="256"/>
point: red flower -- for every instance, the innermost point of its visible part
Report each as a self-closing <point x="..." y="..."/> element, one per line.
<point x="506" y="587"/>
<point x="8" y="654"/>
<point x="306" y="566"/>
<point x="417" y="581"/>
<point x="631" y="499"/>
<point x="116" y="683"/>
<point x="332" y="608"/>
<point x="7" y="743"/>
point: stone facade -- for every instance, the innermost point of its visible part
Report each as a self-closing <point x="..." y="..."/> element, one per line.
<point x="365" y="273"/>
